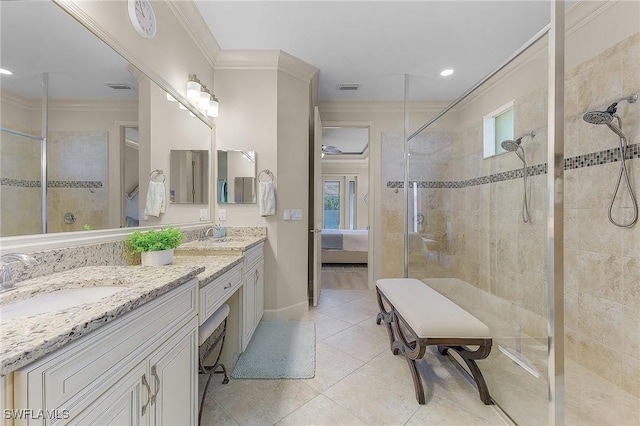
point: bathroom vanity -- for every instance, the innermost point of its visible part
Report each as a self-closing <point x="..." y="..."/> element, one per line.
<point x="131" y="357"/>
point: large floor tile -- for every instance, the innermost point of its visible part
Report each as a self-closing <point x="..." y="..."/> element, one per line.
<point x="262" y="402"/>
<point x="214" y="415"/>
<point x="332" y="365"/>
<point x="375" y="398"/>
<point x="328" y="326"/>
<point x="439" y="411"/>
<point x="321" y="411"/>
<point x="360" y="344"/>
<point x="348" y="312"/>
<point x="326" y="302"/>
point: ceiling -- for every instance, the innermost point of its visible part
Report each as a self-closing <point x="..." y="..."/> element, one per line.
<point x="38" y="36"/>
<point x="375" y="43"/>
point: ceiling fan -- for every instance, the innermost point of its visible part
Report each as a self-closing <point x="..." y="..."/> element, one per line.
<point x="330" y="150"/>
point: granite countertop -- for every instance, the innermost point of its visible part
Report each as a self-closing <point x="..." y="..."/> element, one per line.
<point x="230" y="243"/>
<point x="28" y="338"/>
<point x="214" y="265"/>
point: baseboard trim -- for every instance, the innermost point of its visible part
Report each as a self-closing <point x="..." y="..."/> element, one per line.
<point x="286" y="313"/>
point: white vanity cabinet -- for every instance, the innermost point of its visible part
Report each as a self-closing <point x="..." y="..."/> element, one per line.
<point x="252" y="291"/>
<point x="141" y="369"/>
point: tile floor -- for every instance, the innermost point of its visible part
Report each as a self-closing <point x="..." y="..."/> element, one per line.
<point x="358" y="381"/>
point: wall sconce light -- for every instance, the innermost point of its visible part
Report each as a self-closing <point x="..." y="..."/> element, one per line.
<point x="212" y="110"/>
<point x="193" y="88"/>
<point x="205" y="96"/>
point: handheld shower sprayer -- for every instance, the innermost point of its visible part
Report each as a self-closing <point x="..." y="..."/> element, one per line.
<point x="606" y="117"/>
<point x="515" y="146"/>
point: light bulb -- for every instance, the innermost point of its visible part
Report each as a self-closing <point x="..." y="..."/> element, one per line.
<point x="193" y="88"/>
<point x="212" y="110"/>
<point x="203" y="101"/>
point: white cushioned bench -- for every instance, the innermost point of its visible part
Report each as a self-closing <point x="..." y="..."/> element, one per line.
<point x="418" y="316"/>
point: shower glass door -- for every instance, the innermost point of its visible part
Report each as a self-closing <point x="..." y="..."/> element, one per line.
<point x="466" y="234"/>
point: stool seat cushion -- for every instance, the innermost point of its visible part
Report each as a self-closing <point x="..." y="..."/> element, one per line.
<point x="211" y="324"/>
<point x="428" y="313"/>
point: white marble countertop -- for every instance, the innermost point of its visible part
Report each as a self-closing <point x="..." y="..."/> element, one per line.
<point x="230" y="243"/>
<point x="28" y="338"/>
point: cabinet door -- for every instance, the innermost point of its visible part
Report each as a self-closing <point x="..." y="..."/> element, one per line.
<point x="259" y="291"/>
<point x="174" y="377"/>
<point x="249" y="307"/>
<point x="121" y="405"/>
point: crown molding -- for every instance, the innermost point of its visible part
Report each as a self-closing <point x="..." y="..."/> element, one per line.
<point x="265" y="60"/>
<point x="191" y="20"/>
<point x="19" y="102"/>
<point x="295" y="67"/>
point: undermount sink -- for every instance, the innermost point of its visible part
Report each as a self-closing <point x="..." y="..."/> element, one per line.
<point x="56" y="301"/>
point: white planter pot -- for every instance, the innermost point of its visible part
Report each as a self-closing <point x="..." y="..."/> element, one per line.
<point x="156" y="258"/>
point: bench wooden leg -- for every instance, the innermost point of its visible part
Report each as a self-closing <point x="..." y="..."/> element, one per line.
<point x="469" y="358"/>
<point x="385" y="316"/>
<point x="412" y="350"/>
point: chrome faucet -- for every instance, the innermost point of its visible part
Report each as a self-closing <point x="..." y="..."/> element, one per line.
<point x="204" y="234"/>
<point x="6" y="280"/>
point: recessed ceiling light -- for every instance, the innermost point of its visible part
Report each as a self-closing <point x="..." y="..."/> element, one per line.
<point x="5" y="72"/>
<point x="446" y="73"/>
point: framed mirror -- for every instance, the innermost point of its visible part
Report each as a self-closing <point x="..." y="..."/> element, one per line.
<point x="97" y="162"/>
<point x="236" y="181"/>
<point x="188" y="176"/>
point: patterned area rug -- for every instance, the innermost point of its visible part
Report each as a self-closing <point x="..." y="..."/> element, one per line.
<point x="279" y="350"/>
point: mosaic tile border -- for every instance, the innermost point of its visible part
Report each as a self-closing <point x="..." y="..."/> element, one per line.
<point x="51" y="184"/>
<point x="577" y="162"/>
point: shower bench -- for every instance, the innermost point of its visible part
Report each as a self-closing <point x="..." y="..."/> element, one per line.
<point x="418" y="316"/>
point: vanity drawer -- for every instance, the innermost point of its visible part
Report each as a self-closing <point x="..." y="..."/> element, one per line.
<point x="90" y="365"/>
<point x="253" y="256"/>
<point x="214" y="294"/>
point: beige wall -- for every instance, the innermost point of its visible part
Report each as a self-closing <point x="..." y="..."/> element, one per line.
<point x="265" y="109"/>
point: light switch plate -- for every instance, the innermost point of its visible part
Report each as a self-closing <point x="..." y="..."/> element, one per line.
<point x="286" y="214"/>
<point x="204" y="214"/>
<point x="222" y="214"/>
<point x="296" y="214"/>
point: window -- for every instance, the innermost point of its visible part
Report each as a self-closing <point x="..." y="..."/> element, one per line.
<point x="339" y="205"/>
<point x="331" y="200"/>
<point x="352" y="204"/>
<point x="497" y="126"/>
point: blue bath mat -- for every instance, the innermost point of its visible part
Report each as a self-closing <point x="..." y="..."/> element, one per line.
<point x="279" y="350"/>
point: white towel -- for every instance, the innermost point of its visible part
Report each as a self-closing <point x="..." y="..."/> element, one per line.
<point x="267" y="198"/>
<point x="156" y="199"/>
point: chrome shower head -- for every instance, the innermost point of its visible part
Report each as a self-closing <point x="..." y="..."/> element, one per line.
<point x="509" y="145"/>
<point x="512" y="146"/>
<point x="598" y="117"/>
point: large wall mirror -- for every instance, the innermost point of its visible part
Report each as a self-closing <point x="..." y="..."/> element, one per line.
<point x="236" y="177"/>
<point x="94" y="154"/>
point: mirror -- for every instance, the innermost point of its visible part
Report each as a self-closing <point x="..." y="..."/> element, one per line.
<point x="236" y="177"/>
<point x="96" y="166"/>
<point x="188" y="176"/>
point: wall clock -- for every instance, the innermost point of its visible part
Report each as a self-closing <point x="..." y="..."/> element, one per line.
<point x="142" y="17"/>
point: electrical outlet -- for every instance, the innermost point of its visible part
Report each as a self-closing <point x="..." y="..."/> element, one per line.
<point x="204" y="214"/>
<point x="222" y="214"/>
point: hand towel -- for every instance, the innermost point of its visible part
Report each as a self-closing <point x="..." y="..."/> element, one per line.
<point x="156" y="199"/>
<point x="267" y="198"/>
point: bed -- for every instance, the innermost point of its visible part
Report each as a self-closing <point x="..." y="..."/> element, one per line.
<point x="345" y="245"/>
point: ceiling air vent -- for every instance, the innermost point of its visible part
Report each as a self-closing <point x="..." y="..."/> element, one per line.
<point x="119" y="86"/>
<point x="348" y="87"/>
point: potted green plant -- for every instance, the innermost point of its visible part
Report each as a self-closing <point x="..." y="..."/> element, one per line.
<point x="156" y="247"/>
